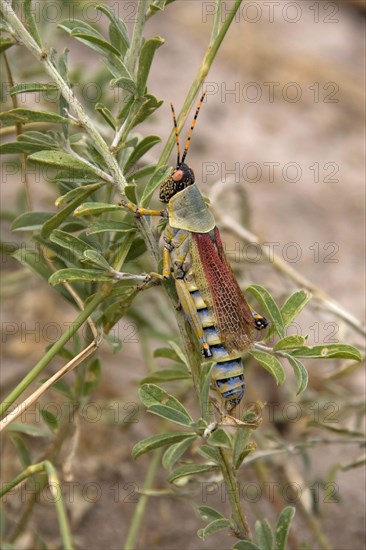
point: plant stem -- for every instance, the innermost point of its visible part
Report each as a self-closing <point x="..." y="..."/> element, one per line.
<point x="217" y="21"/>
<point x="131" y="61"/>
<point x="141" y="505"/>
<point x="18" y="131"/>
<point x="19" y="409"/>
<point x="52" y="352"/>
<point x="242" y="529"/>
<point x="48" y="468"/>
<point x="23" y="36"/>
<point x="63" y="521"/>
<point x="137" y="36"/>
<point x="199" y="80"/>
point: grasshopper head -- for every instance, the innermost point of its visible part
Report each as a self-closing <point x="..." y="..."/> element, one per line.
<point x="178" y="180"/>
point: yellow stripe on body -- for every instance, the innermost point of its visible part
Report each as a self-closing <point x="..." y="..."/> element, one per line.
<point x="190" y="311"/>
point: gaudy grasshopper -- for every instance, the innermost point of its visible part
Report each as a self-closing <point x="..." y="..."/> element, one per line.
<point x="208" y="291"/>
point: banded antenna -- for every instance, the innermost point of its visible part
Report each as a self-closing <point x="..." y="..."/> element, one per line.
<point x="192" y="127"/>
<point x="179" y="162"/>
<point x="176" y="134"/>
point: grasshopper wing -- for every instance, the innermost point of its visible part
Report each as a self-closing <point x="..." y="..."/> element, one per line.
<point x="221" y="292"/>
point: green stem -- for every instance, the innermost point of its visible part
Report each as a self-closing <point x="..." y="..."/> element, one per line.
<point x="18" y="131"/>
<point x="134" y="51"/>
<point x="60" y="506"/>
<point x="143" y="500"/>
<point x="217" y="21"/>
<point x="131" y="63"/>
<point x="242" y="529"/>
<point x="199" y="80"/>
<point x="51" y="353"/>
<point x="48" y="468"/>
<point x="23" y="36"/>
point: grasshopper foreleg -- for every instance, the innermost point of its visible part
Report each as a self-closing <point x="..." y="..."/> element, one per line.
<point x="139" y="212"/>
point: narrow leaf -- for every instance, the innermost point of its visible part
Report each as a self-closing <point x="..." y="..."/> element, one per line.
<point x="146" y="56"/>
<point x="157" y="178"/>
<point x="30" y="21"/>
<point x="210" y="453"/>
<point x="301" y="374"/>
<point x="5" y="43"/>
<point x="28" y="429"/>
<point x="168" y="353"/>
<point x="145" y="145"/>
<point x="265" y="299"/>
<point x="209" y="514"/>
<point x="156" y="5"/>
<point x="95" y="258"/>
<point x="293" y="305"/>
<point x="49" y="418"/>
<point x="33" y="87"/>
<point x="156" y="441"/>
<point x="149" y="104"/>
<point x="290" y="342"/>
<point x="24" y="116"/>
<point x="93" y="39"/>
<point x="142" y="172"/>
<point x="30" y="221"/>
<point x="333" y="351"/>
<point x="190" y="470"/>
<point x="171" y="414"/>
<point x="125" y="83"/>
<point x="244" y="453"/>
<point x="92" y="379"/>
<point x="94" y="208"/>
<point x="283" y="527"/>
<point x="270" y="363"/>
<point x="23" y="451"/>
<point x="213" y="527"/>
<point x="219" y="438"/>
<point x="75" y="245"/>
<point x="74" y="274"/>
<point x="34" y="260"/>
<point x="109" y="226"/>
<point x="175" y="451"/>
<point x="240" y="442"/>
<point x="59" y="217"/>
<point x="17" y="147"/>
<point x="178" y="350"/>
<point x="58" y="159"/>
<point x="80" y="190"/>
<point x="113" y="313"/>
<point x="264" y="535"/>
<point x="150" y="395"/>
<point x="119" y="27"/>
<point x="107" y="115"/>
<point x="48" y="140"/>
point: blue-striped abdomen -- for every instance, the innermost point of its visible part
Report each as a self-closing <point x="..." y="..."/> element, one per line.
<point x="228" y="372"/>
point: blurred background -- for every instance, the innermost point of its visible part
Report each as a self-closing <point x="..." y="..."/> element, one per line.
<point x="280" y="141"/>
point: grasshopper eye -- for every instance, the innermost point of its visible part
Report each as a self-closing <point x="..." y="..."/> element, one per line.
<point x="178" y="175"/>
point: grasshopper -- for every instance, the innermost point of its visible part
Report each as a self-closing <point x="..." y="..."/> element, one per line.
<point x="208" y="291"/>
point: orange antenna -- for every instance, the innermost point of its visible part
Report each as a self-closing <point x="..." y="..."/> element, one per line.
<point x="192" y="127"/>
<point x="176" y="134"/>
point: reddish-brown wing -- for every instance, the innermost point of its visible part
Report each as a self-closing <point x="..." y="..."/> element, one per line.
<point x="221" y="292"/>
